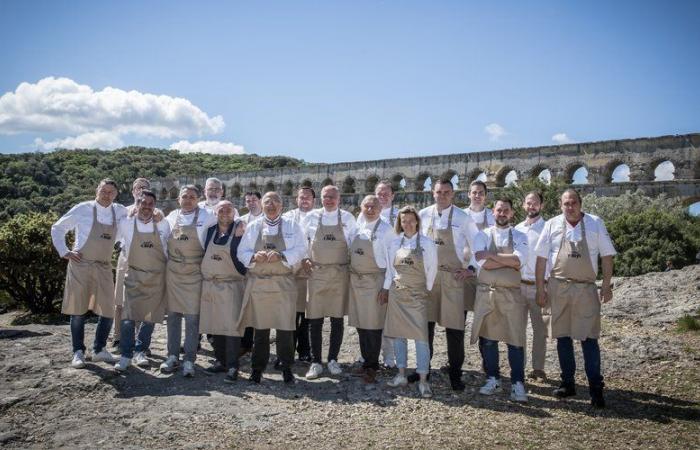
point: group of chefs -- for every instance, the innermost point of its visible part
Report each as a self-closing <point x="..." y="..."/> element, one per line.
<point x="395" y="273"/>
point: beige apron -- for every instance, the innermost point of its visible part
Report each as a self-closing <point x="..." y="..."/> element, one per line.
<point x="328" y="283"/>
<point x="184" y="275"/>
<point x="222" y="291"/>
<point x="500" y="311"/>
<point x="572" y="291"/>
<point x="407" y="311"/>
<point x="366" y="280"/>
<point x="89" y="284"/>
<point x="447" y="296"/>
<point x="269" y="300"/>
<point x="144" y="281"/>
<point x="121" y="271"/>
<point x="471" y="283"/>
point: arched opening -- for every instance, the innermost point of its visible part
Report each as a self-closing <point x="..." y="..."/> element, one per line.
<point x="620" y="174"/>
<point x="423" y="182"/>
<point x="163" y="194"/>
<point x="288" y="188"/>
<point x="252" y="187"/>
<point x="545" y="176"/>
<point x="503" y="174"/>
<point x="371" y="183"/>
<point x="477" y="174"/>
<point x="307" y="183"/>
<point x="511" y="178"/>
<point x="694" y="209"/>
<point x="174" y="192"/>
<point x="270" y="186"/>
<point x="348" y="185"/>
<point x="453" y="177"/>
<point x="398" y="182"/>
<point x="664" y="171"/>
<point x="236" y="190"/>
<point x="326" y="182"/>
<point x="580" y="175"/>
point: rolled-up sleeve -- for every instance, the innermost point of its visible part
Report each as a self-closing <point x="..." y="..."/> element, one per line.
<point x="605" y="244"/>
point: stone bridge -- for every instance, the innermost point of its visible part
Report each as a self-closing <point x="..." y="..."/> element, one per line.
<point x="412" y="177"/>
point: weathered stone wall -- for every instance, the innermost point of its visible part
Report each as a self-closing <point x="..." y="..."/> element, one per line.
<point x="355" y="179"/>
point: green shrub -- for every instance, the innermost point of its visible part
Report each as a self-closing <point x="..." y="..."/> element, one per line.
<point x="550" y="192"/>
<point x="33" y="275"/>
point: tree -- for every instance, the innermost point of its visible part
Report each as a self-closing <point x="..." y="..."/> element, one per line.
<point x="32" y="274"/>
<point x="519" y="190"/>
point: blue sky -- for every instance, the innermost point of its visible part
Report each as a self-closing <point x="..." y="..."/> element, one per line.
<point x="343" y="81"/>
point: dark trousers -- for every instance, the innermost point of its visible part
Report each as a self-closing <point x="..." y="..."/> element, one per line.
<point x="247" y="339"/>
<point x="516" y="360"/>
<point x="591" y="359"/>
<point x="301" y="335"/>
<point x="261" y="349"/>
<point x="455" y="347"/>
<point x="315" y="334"/>
<point x="77" y="332"/>
<point x="370" y="346"/>
<point x="226" y="350"/>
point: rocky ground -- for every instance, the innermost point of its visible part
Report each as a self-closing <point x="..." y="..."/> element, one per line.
<point x="652" y="376"/>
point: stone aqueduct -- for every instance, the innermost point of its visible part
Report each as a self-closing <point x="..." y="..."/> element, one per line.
<point x="409" y="175"/>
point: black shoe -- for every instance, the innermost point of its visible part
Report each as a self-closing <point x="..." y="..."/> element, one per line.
<point x="278" y="364"/>
<point x="445" y="368"/>
<point x="597" y="400"/>
<point x="305" y="358"/>
<point x="231" y="376"/>
<point x="115" y="343"/>
<point x="288" y="376"/>
<point x="456" y="382"/>
<point x="255" y="376"/>
<point x="565" y="390"/>
<point x="414" y="377"/>
<point x="244" y="351"/>
<point x="217" y="367"/>
<point x="147" y="352"/>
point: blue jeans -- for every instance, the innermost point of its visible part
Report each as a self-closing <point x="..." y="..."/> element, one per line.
<point x="127" y="347"/>
<point x="191" y="335"/>
<point x="516" y="360"/>
<point x="422" y="355"/>
<point x="77" y="332"/>
<point x="591" y="359"/>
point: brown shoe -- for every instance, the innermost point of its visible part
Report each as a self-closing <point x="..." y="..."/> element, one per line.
<point x="370" y="376"/>
<point x="358" y="372"/>
<point x="536" y="373"/>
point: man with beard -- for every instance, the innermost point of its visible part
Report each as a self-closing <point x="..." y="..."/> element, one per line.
<point x="532" y="227"/>
<point x="213" y="194"/>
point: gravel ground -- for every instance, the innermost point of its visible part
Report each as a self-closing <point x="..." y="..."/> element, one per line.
<point x="652" y="376"/>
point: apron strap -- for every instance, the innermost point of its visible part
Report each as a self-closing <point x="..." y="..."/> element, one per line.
<point x="373" y="236"/>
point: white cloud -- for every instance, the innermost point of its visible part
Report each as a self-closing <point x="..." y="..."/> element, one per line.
<point x="105" y="140"/>
<point x="561" y="138"/>
<point x="495" y="131"/>
<point x="213" y="147"/>
<point x="62" y="106"/>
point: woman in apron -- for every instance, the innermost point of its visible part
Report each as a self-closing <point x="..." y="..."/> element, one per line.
<point x="223" y="284"/>
<point x="89" y="273"/>
<point x="412" y="270"/>
<point x="368" y="292"/>
<point x="270" y="248"/>
<point x="144" y="281"/>
<point x="500" y="311"/>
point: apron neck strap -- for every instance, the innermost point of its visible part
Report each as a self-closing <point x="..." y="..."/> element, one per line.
<point x="374" y="230"/>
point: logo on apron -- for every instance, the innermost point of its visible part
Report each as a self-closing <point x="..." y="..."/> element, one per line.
<point x="106" y="236"/>
<point x="183" y="237"/>
<point x="216" y="257"/>
<point x="575" y="253"/>
<point x="269" y="246"/>
<point x="439" y="241"/>
<point x="329" y="237"/>
<point x="146" y="244"/>
<point x="359" y="251"/>
<point x="408" y="261"/>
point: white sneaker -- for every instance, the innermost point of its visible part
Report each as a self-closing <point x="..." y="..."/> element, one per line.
<point x="314" y="372"/>
<point x="188" y="369"/>
<point x="78" y="360"/>
<point x="390" y="363"/>
<point x="398" y="380"/>
<point x="424" y="389"/>
<point x="491" y="387"/>
<point x="169" y="364"/>
<point x="141" y="360"/>
<point x="334" y="368"/>
<point x="518" y="393"/>
<point x="122" y="364"/>
<point x="104" y="356"/>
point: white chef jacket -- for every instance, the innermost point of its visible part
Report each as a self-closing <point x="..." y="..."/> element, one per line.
<point x="383" y="239"/>
<point x="296" y="215"/>
<point x="205" y="220"/>
<point x="463" y="227"/>
<point x="79" y="218"/>
<point x="310" y="223"/>
<point x="387" y="214"/>
<point x="125" y="232"/>
<point x="430" y="259"/>
<point x="248" y="218"/>
<point x="478" y="217"/>
<point x="532" y="232"/>
<point x="520" y="248"/>
<point x="292" y="234"/>
<point x="597" y="238"/>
